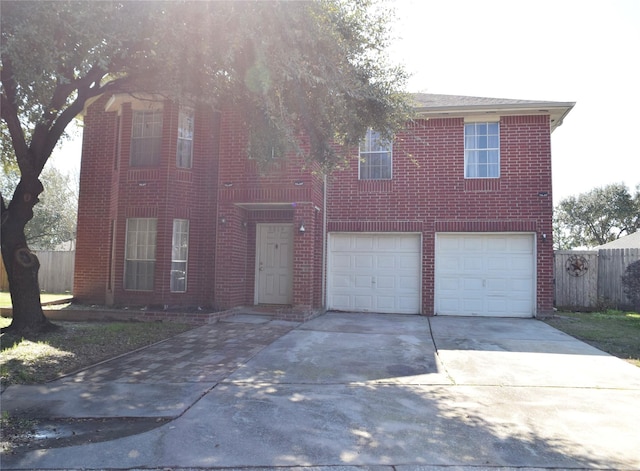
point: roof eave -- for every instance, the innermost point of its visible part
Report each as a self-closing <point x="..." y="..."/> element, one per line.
<point x="557" y="110"/>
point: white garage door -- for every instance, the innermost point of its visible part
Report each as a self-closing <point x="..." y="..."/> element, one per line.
<point x="374" y="272"/>
<point x="485" y="275"/>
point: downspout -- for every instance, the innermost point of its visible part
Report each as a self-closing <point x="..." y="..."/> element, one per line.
<point x="324" y="241"/>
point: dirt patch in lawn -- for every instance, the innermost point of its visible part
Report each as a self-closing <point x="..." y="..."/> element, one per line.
<point x="19" y="436"/>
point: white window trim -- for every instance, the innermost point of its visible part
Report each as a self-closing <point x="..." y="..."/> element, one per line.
<point x="175" y="260"/>
<point x="360" y="160"/>
<point x="182" y="111"/>
<point x="475" y="122"/>
<point x="129" y="258"/>
<point x="134" y="138"/>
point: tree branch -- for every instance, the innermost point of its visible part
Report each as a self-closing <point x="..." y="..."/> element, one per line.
<point x="9" y="112"/>
<point x="85" y="88"/>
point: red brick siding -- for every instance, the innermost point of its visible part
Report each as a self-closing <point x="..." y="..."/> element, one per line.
<point x="287" y="181"/>
<point x="428" y="192"/>
<point x="95" y="197"/>
<point x="164" y="192"/>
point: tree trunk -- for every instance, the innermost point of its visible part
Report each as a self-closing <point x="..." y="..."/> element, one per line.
<point x="21" y="264"/>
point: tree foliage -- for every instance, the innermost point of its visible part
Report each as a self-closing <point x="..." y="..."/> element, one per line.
<point x="312" y="68"/>
<point x="54" y="218"/>
<point x="631" y="284"/>
<point x="596" y="217"/>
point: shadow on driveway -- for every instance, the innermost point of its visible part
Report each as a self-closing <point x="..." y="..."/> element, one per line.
<point x="389" y="390"/>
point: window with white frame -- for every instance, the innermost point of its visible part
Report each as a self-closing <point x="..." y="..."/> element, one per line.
<point x="140" y="254"/>
<point x="184" y="153"/>
<point x="179" y="254"/>
<point x="146" y="138"/>
<point x="482" y="150"/>
<point x="375" y="157"/>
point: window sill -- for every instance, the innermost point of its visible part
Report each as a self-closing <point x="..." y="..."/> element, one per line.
<point x="375" y="186"/>
<point x="482" y="184"/>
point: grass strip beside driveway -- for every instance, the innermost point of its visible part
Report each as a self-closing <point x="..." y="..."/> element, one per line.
<point x="73" y="346"/>
<point x="612" y="331"/>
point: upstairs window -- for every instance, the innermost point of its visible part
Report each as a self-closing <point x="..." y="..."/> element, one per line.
<point x="146" y="138"/>
<point x="179" y="253"/>
<point x="184" y="153"/>
<point x="375" y="157"/>
<point x="140" y="254"/>
<point x="481" y="150"/>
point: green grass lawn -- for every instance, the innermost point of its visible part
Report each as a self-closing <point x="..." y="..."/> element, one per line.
<point x="41" y="357"/>
<point x="74" y="345"/>
<point x="615" y="332"/>
<point x="5" y="298"/>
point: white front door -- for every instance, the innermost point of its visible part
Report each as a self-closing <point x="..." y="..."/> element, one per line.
<point x="485" y="274"/>
<point x="374" y="272"/>
<point x="274" y="263"/>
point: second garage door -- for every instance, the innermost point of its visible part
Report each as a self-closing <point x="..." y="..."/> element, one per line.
<point x="374" y="272"/>
<point x="485" y="275"/>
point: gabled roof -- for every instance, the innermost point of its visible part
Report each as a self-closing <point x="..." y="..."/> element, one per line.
<point x="631" y="241"/>
<point x="456" y="105"/>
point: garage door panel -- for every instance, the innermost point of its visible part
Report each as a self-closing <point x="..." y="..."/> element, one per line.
<point x="450" y="305"/>
<point x="408" y="262"/>
<point x="450" y="245"/>
<point x="385" y="303"/>
<point x="472" y="264"/>
<point x="342" y="301"/>
<point x="363" y="243"/>
<point x="386" y="261"/>
<point x="341" y="281"/>
<point x="497" y="284"/>
<point x="341" y="261"/>
<point x="408" y="244"/>
<point x="363" y="261"/>
<point x="485" y="274"/>
<point x="386" y="282"/>
<point x="521" y="264"/>
<point x="383" y="272"/>
<point x="408" y="283"/>
<point x="497" y="244"/>
<point x="362" y="281"/>
<point x="340" y="245"/>
<point x="386" y="244"/>
<point x="363" y="303"/>
<point x="472" y="306"/>
<point x="447" y="283"/>
<point x="449" y="264"/>
<point x="521" y="244"/>
<point x="408" y="304"/>
<point x="520" y="308"/>
<point x="521" y="285"/>
<point x="471" y="284"/>
<point x="499" y="264"/>
<point x="471" y="244"/>
<point x="498" y="305"/>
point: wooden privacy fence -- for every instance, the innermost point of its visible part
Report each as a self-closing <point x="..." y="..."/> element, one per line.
<point x="56" y="271"/>
<point x="588" y="280"/>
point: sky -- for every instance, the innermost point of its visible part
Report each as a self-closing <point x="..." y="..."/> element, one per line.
<point x="582" y="51"/>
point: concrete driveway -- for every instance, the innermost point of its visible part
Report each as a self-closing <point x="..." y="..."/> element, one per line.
<point x="346" y="390"/>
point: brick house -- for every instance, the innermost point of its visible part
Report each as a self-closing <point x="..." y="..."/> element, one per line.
<point x="453" y="217"/>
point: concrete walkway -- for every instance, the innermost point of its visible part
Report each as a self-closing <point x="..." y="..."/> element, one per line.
<point x="350" y="390"/>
